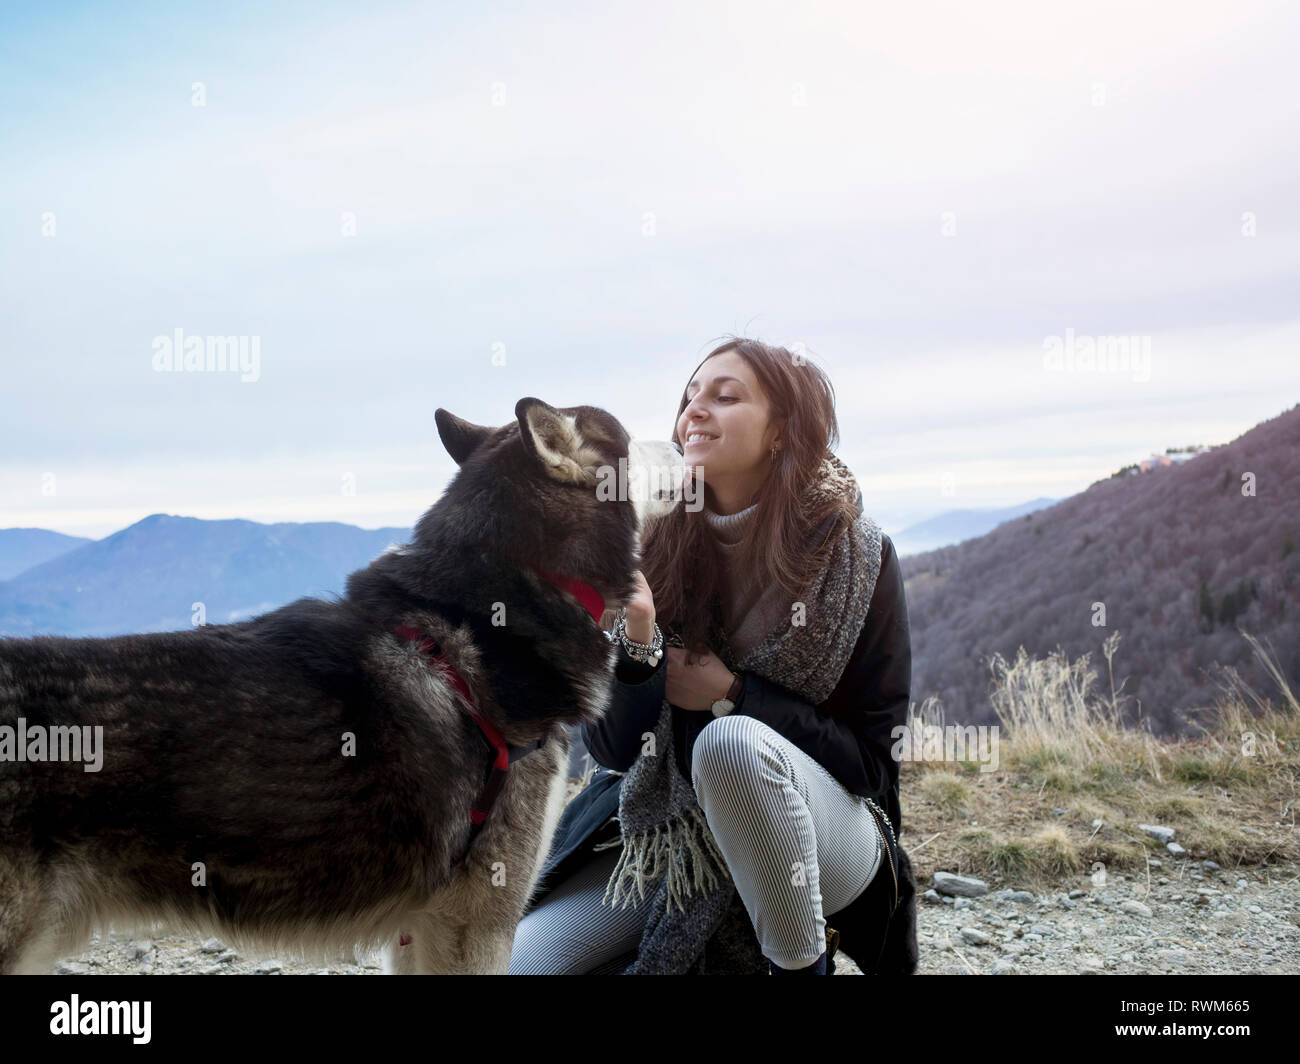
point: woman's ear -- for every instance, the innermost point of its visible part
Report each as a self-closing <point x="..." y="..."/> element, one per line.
<point x="778" y="436"/>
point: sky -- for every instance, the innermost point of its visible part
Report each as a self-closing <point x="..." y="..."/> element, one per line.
<point x="402" y="207"/>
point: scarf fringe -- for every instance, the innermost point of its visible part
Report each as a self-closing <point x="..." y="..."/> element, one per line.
<point x="683" y="841"/>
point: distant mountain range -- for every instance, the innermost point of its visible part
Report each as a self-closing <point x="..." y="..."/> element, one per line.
<point x="1178" y="558"/>
<point x="147" y="577"/>
<point x="21" y="548"/>
<point x="954" y="526"/>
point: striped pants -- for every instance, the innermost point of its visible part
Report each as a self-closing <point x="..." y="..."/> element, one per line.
<point x="798" y="845"/>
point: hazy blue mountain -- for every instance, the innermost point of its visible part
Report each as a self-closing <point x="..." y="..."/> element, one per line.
<point x="954" y="526"/>
<point x="21" y="548"/>
<point x="146" y="577"/>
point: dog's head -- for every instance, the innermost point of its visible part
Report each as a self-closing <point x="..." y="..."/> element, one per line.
<point x="565" y="487"/>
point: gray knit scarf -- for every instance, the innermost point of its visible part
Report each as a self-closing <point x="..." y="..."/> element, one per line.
<point x="667" y="845"/>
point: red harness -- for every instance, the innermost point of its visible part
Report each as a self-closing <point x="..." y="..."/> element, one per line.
<point x="503" y="754"/>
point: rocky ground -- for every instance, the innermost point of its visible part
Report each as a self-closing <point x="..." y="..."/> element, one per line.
<point x="1192" y="918"/>
<point x="1198" y="918"/>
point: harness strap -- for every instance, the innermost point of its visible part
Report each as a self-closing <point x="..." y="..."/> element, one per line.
<point x="503" y="754"/>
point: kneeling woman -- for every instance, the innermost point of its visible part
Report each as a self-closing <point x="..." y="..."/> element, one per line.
<point x="748" y="736"/>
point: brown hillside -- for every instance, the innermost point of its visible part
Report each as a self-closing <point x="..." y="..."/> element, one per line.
<point x="1180" y="557"/>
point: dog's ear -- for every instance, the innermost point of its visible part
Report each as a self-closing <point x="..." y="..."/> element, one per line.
<point x="459" y="436"/>
<point x="554" y="440"/>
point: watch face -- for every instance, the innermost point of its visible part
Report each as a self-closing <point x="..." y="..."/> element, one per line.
<point x="722" y="707"/>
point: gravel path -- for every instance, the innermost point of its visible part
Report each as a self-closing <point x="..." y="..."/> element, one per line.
<point x="1196" y="919"/>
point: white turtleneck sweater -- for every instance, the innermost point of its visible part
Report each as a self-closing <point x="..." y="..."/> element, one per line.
<point x="754" y="607"/>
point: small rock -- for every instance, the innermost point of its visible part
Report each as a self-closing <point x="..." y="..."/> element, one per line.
<point x="932" y="897"/>
<point x="71" y="968"/>
<point x="1077" y="893"/>
<point x="962" y="903"/>
<point x="1058" y="810"/>
<point x="975" y="936"/>
<point x="213" y="945"/>
<point x="1098" y="822"/>
<point x="1210" y="866"/>
<point x="1241" y="884"/>
<point x="1175" y="849"/>
<point x="1155" y="862"/>
<point x="964" y="886"/>
<point x="1254" y="909"/>
<point x="227" y="957"/>
<point x="1020" y="897"/>
<point x="1135" y="907"/>
<point x="1092" y="961"/>
<point x="1157" y="832"/>
<point x="269" y="968"/>
<point x="1040" y="929"/>
<point x="140" y="948"/>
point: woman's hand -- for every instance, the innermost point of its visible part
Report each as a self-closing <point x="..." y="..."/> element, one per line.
<point x="695" y="681"/>
<point x="640" y="623"/>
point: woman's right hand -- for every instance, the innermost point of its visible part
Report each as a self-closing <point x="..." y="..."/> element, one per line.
<point x="640" y="623"/>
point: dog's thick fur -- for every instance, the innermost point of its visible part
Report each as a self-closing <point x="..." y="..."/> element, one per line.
<point x="302" y="781"/>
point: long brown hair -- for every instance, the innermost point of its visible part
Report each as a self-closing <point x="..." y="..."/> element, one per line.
<point x="680" y="559"/>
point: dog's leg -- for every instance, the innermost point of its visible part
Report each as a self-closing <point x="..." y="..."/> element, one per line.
<point x="441" y="945"/>
<point x="556" y="799"/>
<point x="399" y="959"/>
<point x="470" y="927"/>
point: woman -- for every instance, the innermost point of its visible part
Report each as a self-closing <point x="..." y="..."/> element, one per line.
<point x="750" y="759"/>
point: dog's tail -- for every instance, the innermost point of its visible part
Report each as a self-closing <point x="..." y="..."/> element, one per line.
<point x="28" y="922"/>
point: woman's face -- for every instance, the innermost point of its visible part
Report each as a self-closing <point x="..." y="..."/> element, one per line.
<point x="726" y="403"/>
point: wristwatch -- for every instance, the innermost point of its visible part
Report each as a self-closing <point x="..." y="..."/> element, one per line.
<point x="727" y="703"/>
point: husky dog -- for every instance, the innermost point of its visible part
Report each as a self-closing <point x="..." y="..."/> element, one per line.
<point x="384" y="770"/>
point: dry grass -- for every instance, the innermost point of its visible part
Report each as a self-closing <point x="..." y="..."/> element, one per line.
<point x="1230" y="793"/>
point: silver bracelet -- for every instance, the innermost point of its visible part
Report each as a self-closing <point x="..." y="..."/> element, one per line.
<point x="650" y="653"/>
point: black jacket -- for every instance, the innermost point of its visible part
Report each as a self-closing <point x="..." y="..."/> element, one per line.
<point x="849" y="735"/>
